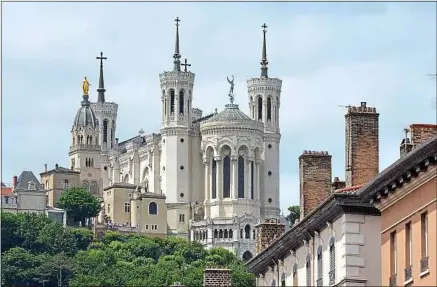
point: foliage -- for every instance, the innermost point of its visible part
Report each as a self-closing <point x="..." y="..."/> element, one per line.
<point x="294" y="214"/>
<point x="51" y="254"/>
<point x="79" y="204"/>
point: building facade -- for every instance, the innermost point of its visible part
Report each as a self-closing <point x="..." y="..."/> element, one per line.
<point x="219" y="173"/>
<point x="406" y="197"/>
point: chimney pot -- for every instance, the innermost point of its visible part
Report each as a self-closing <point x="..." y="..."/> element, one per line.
<point x="14" y="181"/>
<point x="45" y="167"/>
<point x="56" y="166"/>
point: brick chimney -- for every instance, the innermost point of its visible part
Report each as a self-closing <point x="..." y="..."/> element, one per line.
<point x="362" y="144"/>
<point x="338" y="184"/>
<point x="14" y="181"/>
<point x="266" y="232"/>
<point x="420" y="133"/>
<point x="217" y="277"/>
<point x="315" y="179"/>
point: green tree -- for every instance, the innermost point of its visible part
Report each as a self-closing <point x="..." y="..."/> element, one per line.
<point x="29" y="229"/>
<point x="54" y="238"/>
<point x="10" y="225"/>
<point x="83" y="237"/>
<point x="18" y="267"/>
<point x="294" y="214"/>
<point x="79" y="204"/>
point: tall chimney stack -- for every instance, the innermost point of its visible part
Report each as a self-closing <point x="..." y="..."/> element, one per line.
<point x="362" y="144"/>
<point x="45" y="167"/>
<point x="315" y="179"/>
<point x="14" y="181"/>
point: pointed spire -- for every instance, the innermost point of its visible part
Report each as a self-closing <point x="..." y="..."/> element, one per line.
<point x="101" y="90"/>
<point x="264" y="61"/>
<point x="177" y="56"/>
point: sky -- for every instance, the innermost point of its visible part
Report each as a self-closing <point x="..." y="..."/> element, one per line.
<point x="327" y="54"/>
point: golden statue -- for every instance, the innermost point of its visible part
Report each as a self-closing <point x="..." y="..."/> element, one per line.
<point x="85" y="86"/>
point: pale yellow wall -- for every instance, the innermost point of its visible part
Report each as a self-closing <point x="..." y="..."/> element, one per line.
<point x="54" y="185"/>
<point x="159" y="220"/>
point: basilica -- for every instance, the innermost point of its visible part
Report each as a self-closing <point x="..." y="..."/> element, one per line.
<point x="207" y="177"/>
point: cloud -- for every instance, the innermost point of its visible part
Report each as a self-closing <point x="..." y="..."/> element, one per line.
<point x="326" y="55"/>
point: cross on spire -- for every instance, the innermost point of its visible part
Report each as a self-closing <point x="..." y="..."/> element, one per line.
<point x="264" y="26"/>
<point x="101" y="90"/>
<point x="177" y="56"/>
<point x="177" y="21"/>
<point x="264" y="61"/>
<point x="185" y="64"/>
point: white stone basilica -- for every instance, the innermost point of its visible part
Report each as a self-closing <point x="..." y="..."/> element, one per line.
<point x="219" y="172"/>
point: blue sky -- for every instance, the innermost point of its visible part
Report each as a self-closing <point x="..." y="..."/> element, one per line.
<point x="327" y="54"/>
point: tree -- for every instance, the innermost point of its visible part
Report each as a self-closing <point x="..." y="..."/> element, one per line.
<point x="54" y="238"/>
<point x="79" y="204"/>
<point x="294" y="214"/>
<point x="83" y="237"/>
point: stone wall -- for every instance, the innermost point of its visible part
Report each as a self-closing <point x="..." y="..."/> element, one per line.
<point x="266" y="232"/>
<point x="217" y="277"/>
<point x="422" y="132"/>
<point x="315" y="180"/>
<point x="362" y="144"/>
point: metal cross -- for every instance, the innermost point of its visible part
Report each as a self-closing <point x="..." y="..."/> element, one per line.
<point x="177" y="21"/>
<point x="101" y="58"/>
<point x="186" y="65"/>
<point x="264" y="26"/>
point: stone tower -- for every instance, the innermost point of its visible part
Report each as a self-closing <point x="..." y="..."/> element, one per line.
<point x="315" y="175"/>
<point x="106" y="113"/>
<point x="177" y="140"/>
<point x="362" y="144"/>
<point x="264" y="102"/>
<point x="85" y="148"/>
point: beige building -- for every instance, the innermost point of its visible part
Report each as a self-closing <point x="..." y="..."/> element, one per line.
<point x="57" y="180"/>
<point x="129" y="208"/>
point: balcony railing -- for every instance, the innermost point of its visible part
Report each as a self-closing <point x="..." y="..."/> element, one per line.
<point x="424" y="264"/>
<point x="408" y="273"/>
<point x="392" y="281"/>
<point x="319" y="282"/>
<point x="332" y="277"/>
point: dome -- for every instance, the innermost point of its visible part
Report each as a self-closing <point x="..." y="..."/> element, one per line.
<point x="85" y="116"/>
<point x="230" y="114"/>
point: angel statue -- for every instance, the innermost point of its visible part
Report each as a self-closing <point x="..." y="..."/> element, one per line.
<point x="231" y="90"/>
<point x="85" y="86"/>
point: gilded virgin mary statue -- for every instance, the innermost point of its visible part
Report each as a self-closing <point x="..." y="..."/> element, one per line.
<point x="85" y="86"/>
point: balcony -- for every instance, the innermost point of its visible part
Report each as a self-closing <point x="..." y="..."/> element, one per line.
<point x="424" y="267"/>
<point x="392" y="281"/>
<point x="408" y="273"/>
<point x="332" y="277"/>
<point x="319" y="282"/>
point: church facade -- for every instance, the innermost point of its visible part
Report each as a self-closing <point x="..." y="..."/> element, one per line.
<point x="218" y="173"/>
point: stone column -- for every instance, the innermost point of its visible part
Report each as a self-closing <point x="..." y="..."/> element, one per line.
<point x="109" y="134"/>
<point x="257" y="180"/>
<point x="249" y="178"/>
<point x="219" y="182"/>
<point x="133" y="212"/>
<point x="234" y="185"/>
<point x="265" y="110"/>
<point x="207" y="163"/>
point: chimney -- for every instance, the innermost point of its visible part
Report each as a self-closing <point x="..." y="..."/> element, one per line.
<point x="217" y="277"/>
<point x="268" y="231"/>
<point x="45" y="167"/>
<point x="315" y="179"/>
<point x="56" y="166"/>
<point x="362" y="144"/>
<point x="406" y="145"/>
<point x="338" y="184"/>
<point x="420" y="133"/>
<point x="14" y="181"/>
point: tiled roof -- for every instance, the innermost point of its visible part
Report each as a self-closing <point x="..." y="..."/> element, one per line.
<point x="6" y="191"/>
<point x="24" y="179"/>
<point x="350" y="189"/>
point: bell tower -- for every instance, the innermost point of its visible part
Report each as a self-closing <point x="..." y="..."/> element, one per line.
<point x="264" y="102"/>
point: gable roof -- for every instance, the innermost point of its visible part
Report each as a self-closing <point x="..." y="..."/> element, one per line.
<point x="6" y="191"/>
<point x="24" y="179"/>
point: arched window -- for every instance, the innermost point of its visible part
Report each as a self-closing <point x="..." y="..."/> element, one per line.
<point x="105" y="131"/>
<point x="253" y="233"/>
<point x="171" y="102"/>
<point x="85" y="185"/>
<point x="308" y="270"/>
<point x="221" y="233"/>
<point x="283" y="280"/>
<point x="93" y="187"/>
<point x="247" y="231"/>
<point x="215" y="233"/>
<point x="153" y="208"/>
<point x="66" y="184"/>
<point x="91" y="139"/>
<point x="332" y="261"/>
<point x="269" y="109"/>
<point x="214" y="179"/>
<point x="260" y="108"/>
<point x="74" y="140"/>
<point x="240" y="177"/>
<point x="112" y="133"/>
<point x="295" y="281"/>
<point x="226" y="177"/>
<point x="231" y="233"/>
<point x="320" y="266"/>
<point x="226" y="233"/>
<point x="181" y="102"/>
<point x="241" y="233"/>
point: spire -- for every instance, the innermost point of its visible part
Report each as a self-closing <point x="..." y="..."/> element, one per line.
<point x="177" y="56"/>
<point x="264" y="62"/>
<point x="101" y="90"/>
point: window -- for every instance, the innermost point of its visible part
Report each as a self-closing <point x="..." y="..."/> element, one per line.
<point x="231" y="234"/>
<point x="320" y="266"/>
<point x="424" y="234"/>
<point x="241" y="233"/>
<point x="109" y="208"/>
<point x="215" y="233"/>
<point x="332" y="261"/>
<point x="66" y="184"/>
<point x="273" y="283"/>
<point x="408" y="245"/>
<point x="105" y="131"/>
<point x="181" y="217"/>
<point x="126" y="207"/>
<point x="283" y="280"/>
<point x="47" y="185"/>
<point x="171" y="102"/>
<point x="153" y="208"/>
<point x="295" y="281"/>
<point x="308" y="270"/>
<point x="240" y="177"/>
<point x="226" y="177"/>
<point x="247" y="231"/>
<point x="260" y="108"/>
<point x="6" y="199"/>
<point x="393" y="254"/>
<point x="269" y="109"/>
<point x="181" y="102"/>
<point x="147" y="226"/>
<point x="220" y="233"/>
<point x="254" y="234"/>
<point x="214" y="179"/>
<point x="85" y="185"/>
<point x="153" y="227"/>
<point x="93" y="187"/>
